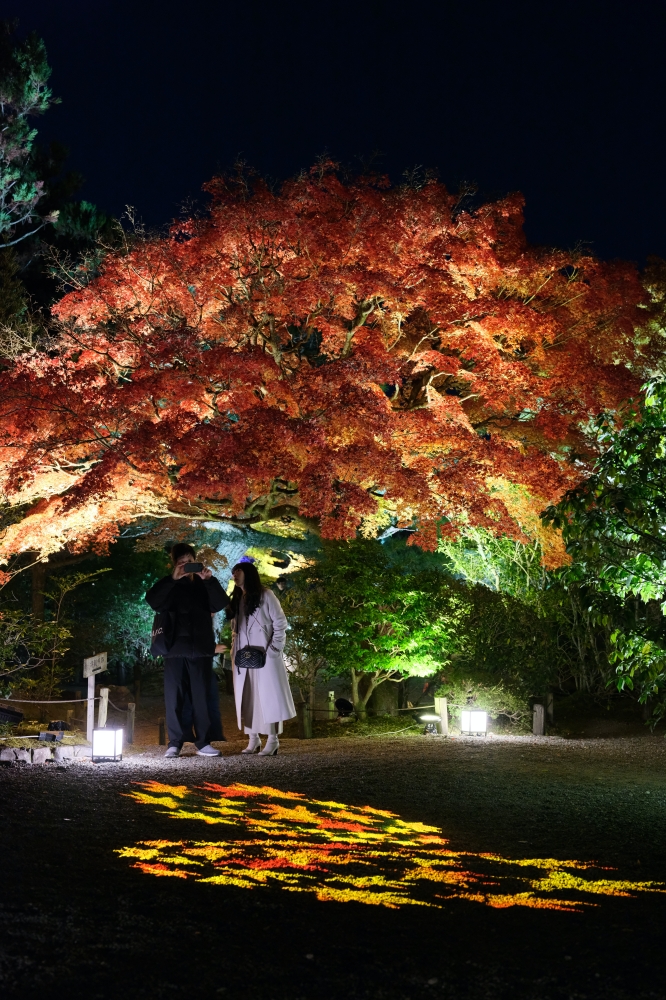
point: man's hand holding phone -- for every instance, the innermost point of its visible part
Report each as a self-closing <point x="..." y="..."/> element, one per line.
<point x="199" y="570"/>
<point x="203" y="572"/>
<point x="185" y="566"/>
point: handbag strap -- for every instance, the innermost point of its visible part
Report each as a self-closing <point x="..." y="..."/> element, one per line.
<point x="245" y="620"/>
<point x="242" y="610"/>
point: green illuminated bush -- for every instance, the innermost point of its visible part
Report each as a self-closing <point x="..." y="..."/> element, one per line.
<point x="357" y="610"/>
<point x="495" y="699"/>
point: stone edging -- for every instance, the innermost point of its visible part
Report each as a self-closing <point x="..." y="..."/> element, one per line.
<point x="40" y="755"/>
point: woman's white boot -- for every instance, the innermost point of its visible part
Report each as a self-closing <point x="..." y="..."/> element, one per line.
<point x="254" y="746"/>
<point x="271" y="748"/>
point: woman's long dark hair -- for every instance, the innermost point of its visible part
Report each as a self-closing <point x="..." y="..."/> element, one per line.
<point x="254" y="591"/>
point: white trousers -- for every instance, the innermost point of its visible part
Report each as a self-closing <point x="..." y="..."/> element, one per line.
<point x="271" y="730"/>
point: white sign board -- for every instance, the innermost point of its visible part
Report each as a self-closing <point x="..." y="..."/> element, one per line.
<point x="94" y="665"/>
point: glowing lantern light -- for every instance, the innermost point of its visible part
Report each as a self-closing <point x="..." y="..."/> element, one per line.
<point x="432" y="724"/>
<point x="107" y="744"/>
<point x="473" y="723"/>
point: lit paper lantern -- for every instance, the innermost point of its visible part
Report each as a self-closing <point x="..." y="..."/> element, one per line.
<point x="432" y="724"/>
<point x="107" y="744"/>
<point x="473" y="723"/>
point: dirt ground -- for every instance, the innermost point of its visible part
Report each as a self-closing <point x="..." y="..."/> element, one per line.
<point x="82" y="919"/>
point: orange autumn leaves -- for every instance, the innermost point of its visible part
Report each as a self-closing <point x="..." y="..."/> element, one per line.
<point x="362" y="354"/>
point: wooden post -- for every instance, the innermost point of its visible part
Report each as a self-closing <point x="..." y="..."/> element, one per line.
<point x="95" y="664"/>
<point x="304" y="720"/>
<point x="90" y="714"/>
<point x="332" y="710"/>
<point x="69" y="716"/>
<point x="442" y="710"/>
<point x="160" y="723"/>
<point x="538" y="720"/>
<point x="129" y="728"/>
<point x="103" y="709"/>
<point x="550" y="707"/>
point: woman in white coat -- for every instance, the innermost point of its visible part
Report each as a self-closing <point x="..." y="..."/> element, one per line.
<point x="263" y="696"/>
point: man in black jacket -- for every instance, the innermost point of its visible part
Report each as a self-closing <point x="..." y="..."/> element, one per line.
<point x="192" y="598"/>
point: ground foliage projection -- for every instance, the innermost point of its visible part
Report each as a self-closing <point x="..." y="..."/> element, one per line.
<point x="350" y="854"/>
<point x="361" y="354"/>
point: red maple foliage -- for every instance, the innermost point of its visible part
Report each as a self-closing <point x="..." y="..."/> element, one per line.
<point x="359" y="353"/>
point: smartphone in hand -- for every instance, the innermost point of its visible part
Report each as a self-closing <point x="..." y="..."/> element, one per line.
<point x="194" y="567"/>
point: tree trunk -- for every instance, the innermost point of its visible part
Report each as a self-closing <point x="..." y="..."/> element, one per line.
<point x="38" y="574"/>
<point x="384" y="699"/>
<point x="358" y="708"/>
<point x="137" y="682"/>
<point x="359" y="701"/>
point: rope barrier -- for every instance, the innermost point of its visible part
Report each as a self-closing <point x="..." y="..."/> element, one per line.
<point x="392" y="732"/>
<point x="414" y="708"/>
<point x="417" y="708"/>
<point x="59" y="701"/>
<point x="55" y="701"/>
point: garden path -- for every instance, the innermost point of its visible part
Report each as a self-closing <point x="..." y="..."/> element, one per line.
<point x="281" y="883"/>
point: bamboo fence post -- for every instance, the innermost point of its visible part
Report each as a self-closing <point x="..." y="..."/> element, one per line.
<point x="304" y="720"/>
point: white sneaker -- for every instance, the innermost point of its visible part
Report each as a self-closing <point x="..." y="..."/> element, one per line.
<point x="208" y="751"/>
<point x="271" y="748"/>
<point x="172" y="752"/>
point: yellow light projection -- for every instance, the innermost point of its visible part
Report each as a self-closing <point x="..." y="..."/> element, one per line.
<point x="350" y="853"/>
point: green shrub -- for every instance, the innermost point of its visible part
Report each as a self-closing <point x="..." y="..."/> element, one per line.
<point x="496" y="699"/>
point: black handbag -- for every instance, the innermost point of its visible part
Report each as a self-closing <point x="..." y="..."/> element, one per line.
<point x="161" y="636"/>
<point x="250" y="657"/>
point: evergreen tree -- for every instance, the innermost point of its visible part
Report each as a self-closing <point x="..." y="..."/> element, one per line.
<point x="37" y="213"/>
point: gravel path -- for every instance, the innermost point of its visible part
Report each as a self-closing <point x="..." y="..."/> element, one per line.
<point x="77" y="917"/>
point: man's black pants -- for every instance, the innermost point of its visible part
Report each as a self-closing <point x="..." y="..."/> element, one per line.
<point x="188" y="679"/>
<point x="215" y="732"/>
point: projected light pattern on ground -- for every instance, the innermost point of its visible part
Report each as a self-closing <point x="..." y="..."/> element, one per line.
<point x="350" y="853"/>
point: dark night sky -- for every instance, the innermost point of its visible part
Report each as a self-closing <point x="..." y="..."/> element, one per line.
<point x="563" y="101"/>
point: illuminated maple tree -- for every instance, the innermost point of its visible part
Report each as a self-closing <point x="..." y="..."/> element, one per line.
<point x="350" y="353"/>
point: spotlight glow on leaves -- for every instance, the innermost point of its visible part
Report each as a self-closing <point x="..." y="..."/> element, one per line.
<point x="350" y="854"/>
<point x="355" y="354"/>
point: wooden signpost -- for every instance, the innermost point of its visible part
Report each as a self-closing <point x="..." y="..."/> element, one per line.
<point x="92" y="665"/>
